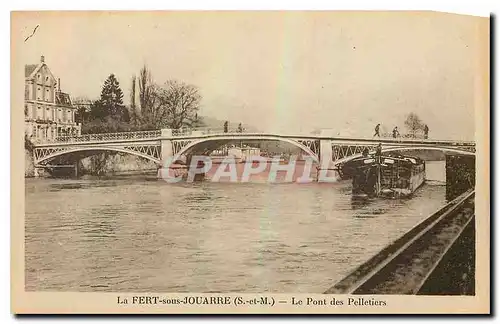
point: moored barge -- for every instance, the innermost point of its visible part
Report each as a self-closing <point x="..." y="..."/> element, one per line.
<point x="385" y="175"/>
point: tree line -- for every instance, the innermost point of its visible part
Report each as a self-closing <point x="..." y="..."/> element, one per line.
<point x="414" y="125"/>
<point x="173" y="104"/>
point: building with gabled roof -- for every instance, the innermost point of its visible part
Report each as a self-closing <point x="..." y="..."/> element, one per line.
<point x="48" y="112"/>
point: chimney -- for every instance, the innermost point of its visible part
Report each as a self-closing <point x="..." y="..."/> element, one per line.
<point x="59" y="84"/>
<point x="42" y="59"/>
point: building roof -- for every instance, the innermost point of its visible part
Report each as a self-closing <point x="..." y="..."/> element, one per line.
<point x="63" y="99"/>
<point x="31" y="69"/>
<point x="28" y="69"/>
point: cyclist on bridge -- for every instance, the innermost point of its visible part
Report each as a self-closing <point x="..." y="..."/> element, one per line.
<point x="395" y="132"/>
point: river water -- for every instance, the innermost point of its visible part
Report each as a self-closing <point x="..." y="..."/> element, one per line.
<point x="144" y="235"/>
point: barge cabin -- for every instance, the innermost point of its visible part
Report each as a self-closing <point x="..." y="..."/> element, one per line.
<point x="385" y="175"/>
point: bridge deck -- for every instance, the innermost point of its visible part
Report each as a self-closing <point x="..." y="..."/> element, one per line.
<point x="155" y="135"/>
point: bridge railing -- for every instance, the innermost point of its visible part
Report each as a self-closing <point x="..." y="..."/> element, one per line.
<point x="402" y="136"/>
<point x="186" y="132"/>
<point x="103" y="137"/>
<point x="204" y="131"/>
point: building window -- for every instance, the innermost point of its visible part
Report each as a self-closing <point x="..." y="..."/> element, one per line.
<point x="38" y="76"/>
<point x="47" y="78"/>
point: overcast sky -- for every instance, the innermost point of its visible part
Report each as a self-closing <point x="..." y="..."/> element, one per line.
<point x="278" y="71"/>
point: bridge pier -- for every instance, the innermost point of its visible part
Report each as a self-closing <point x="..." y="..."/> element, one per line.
<point x="460" y="174"/>
<point x="167" y="151"/>
<point x="326" y="172"/>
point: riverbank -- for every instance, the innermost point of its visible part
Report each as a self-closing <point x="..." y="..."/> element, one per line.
<point x="29" y="166"/>
<point x="120" y="163"/>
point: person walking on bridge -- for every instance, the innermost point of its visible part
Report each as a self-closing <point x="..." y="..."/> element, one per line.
<point x="395" y="132"/>
<point x="426" y="131"/>
<point x="377" y="131"/>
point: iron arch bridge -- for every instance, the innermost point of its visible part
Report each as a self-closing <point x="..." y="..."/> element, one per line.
<point x="159" y="145"/>
<point x="346" y="153"/>
<point x="46" y="155"/>
<point x="206" y="145"/>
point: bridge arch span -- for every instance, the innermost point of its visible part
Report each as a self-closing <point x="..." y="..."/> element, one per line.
<point x="410" y="148"/>
<point x="207" y="145"/>
<point x="55" y="154"/>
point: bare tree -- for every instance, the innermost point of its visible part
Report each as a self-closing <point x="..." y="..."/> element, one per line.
<point x="181" y="102"/>
<point x="413" y="123"/>
<point x="146" y="87"/>
<point x="83" y="106"/>
<point x="151" y="111"/>
<point x="132" y="93"/>
<point x="98" y="163"/>
<point x="173" y="105"/>
<point x="135" y="115"/>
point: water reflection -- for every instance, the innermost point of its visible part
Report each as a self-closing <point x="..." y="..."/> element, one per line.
<point x="359" y="202"/>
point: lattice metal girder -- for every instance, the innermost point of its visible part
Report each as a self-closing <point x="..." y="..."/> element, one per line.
<point x="178" y="145"/>
<point x="41" y="153"/>
<point x="343" y="151"/>
<point x="313" y="145"/>
<point x="153" y="151"/>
